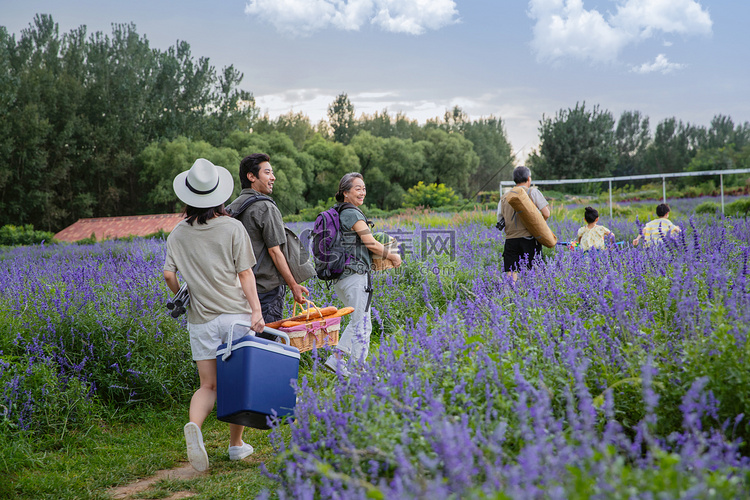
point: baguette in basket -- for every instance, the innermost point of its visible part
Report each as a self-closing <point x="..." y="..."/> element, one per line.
<point x="313" y="327"/>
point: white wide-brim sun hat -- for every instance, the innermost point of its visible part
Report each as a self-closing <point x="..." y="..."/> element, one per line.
<point x="205" y="185"/>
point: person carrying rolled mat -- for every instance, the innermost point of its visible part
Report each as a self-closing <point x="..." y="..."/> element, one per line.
<point x="520" y="246"/>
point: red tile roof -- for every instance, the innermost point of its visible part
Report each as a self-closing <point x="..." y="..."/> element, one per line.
<point x="119" y="227"/>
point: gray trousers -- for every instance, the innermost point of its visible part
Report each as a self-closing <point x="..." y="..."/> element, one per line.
<point x="355" y="340"/>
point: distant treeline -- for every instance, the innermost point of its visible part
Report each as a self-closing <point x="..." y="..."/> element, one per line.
<point x="97" y="125"/>
<point x="582" y="143"/>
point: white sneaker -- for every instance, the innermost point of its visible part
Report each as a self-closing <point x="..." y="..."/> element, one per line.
<point x="195" y="450"/>
<point x="337" y="365"/>
<point x="240" y="452"/>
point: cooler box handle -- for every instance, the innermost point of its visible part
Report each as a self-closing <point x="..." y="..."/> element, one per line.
<point x="266" y="329"/>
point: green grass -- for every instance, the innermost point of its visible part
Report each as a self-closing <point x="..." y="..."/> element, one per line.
<point x="87" y="465"/>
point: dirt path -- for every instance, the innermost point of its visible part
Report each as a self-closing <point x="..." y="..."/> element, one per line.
<point x="184" y="472"/>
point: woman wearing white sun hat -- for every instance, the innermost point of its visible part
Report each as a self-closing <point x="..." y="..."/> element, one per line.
<point x="213" y="253"/>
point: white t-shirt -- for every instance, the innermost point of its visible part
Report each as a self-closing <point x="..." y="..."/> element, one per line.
<point x="209" y="257"/>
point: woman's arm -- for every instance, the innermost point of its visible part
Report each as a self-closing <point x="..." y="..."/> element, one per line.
<point x="247" y="281"/>
<point x="171" y="279"/>
<point x="373" y="245"/>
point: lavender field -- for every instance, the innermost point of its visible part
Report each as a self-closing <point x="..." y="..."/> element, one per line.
<point x="616" y="374"/>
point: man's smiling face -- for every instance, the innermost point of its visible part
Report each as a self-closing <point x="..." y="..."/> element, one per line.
<point x="263" y="183"/>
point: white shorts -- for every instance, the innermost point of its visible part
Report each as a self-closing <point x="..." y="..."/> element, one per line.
<point x="205" y="338"/>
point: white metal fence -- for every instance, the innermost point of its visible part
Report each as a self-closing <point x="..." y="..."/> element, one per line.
<point x="663" y="177"/>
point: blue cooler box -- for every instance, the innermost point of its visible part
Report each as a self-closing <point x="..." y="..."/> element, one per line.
<point x="254" y="379"/>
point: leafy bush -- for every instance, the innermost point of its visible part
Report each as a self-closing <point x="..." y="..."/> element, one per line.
<point x="24" y="235"/>
<point x="310" y="213"/>
<point x="707" y="207"/>
<point x="430" y="195"/>
<point x="739" y="208"/>
<point x="552" y="195"/>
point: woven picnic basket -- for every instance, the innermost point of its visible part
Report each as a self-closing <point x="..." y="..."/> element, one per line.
<point x="313" y="333"/>
<point x="381" y="264"/>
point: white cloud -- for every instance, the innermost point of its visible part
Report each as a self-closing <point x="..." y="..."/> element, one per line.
<point x="303" y="17"/>
<point x="565" y="28"/>
<point x="670" y="16"/>
<point x="660" y="64"/>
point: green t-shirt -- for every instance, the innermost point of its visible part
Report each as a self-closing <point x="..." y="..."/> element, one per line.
<point x="352" y="242"/>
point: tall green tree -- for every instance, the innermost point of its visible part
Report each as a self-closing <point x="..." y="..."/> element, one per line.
<point x="390" y="166"/>
<point x="577" y="143"/>
<point x="379" y="124"/>
<point x="8" y="91"/>
<point x="632" y="138"/>
<point x="295" y="125"/>
<point x="455" y="120"/>
<point x="331" y="160"/>
<point x="672" y="147"/>
<point x="82" y="108"/>
<point x="723" y="133"/>
<point x="341" y="119"/>
<point x="162" y="161"/>
<point x="449" y="159"/>
<point x="494" y="150"/>
<point x="41" y="97"/>
<point x="725" y="147"/>
<point x="406" y="128"/>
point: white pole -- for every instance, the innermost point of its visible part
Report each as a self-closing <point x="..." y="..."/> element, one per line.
<point x="664" y="189"/>
<point x="610" y="198"/>
<point x="721" y="181"/>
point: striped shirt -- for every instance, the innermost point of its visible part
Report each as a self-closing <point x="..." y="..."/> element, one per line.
<point x="656" y="230"/>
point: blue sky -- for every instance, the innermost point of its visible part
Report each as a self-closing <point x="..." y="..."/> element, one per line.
<point x="517" y="60"/>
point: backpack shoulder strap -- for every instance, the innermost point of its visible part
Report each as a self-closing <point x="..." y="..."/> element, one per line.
<point x="340" y="208"/>
<point x="243" y="206"/>
<point x="247" y="202"/>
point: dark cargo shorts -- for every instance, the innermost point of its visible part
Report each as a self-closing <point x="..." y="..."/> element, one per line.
<point x="272" y="307"/>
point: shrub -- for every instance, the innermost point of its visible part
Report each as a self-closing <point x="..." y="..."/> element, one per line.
<point x="707" y="207"/>
<point x="24" y="235"/>
<point x="430" y="195"/>
<point x="739" y="208"/>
